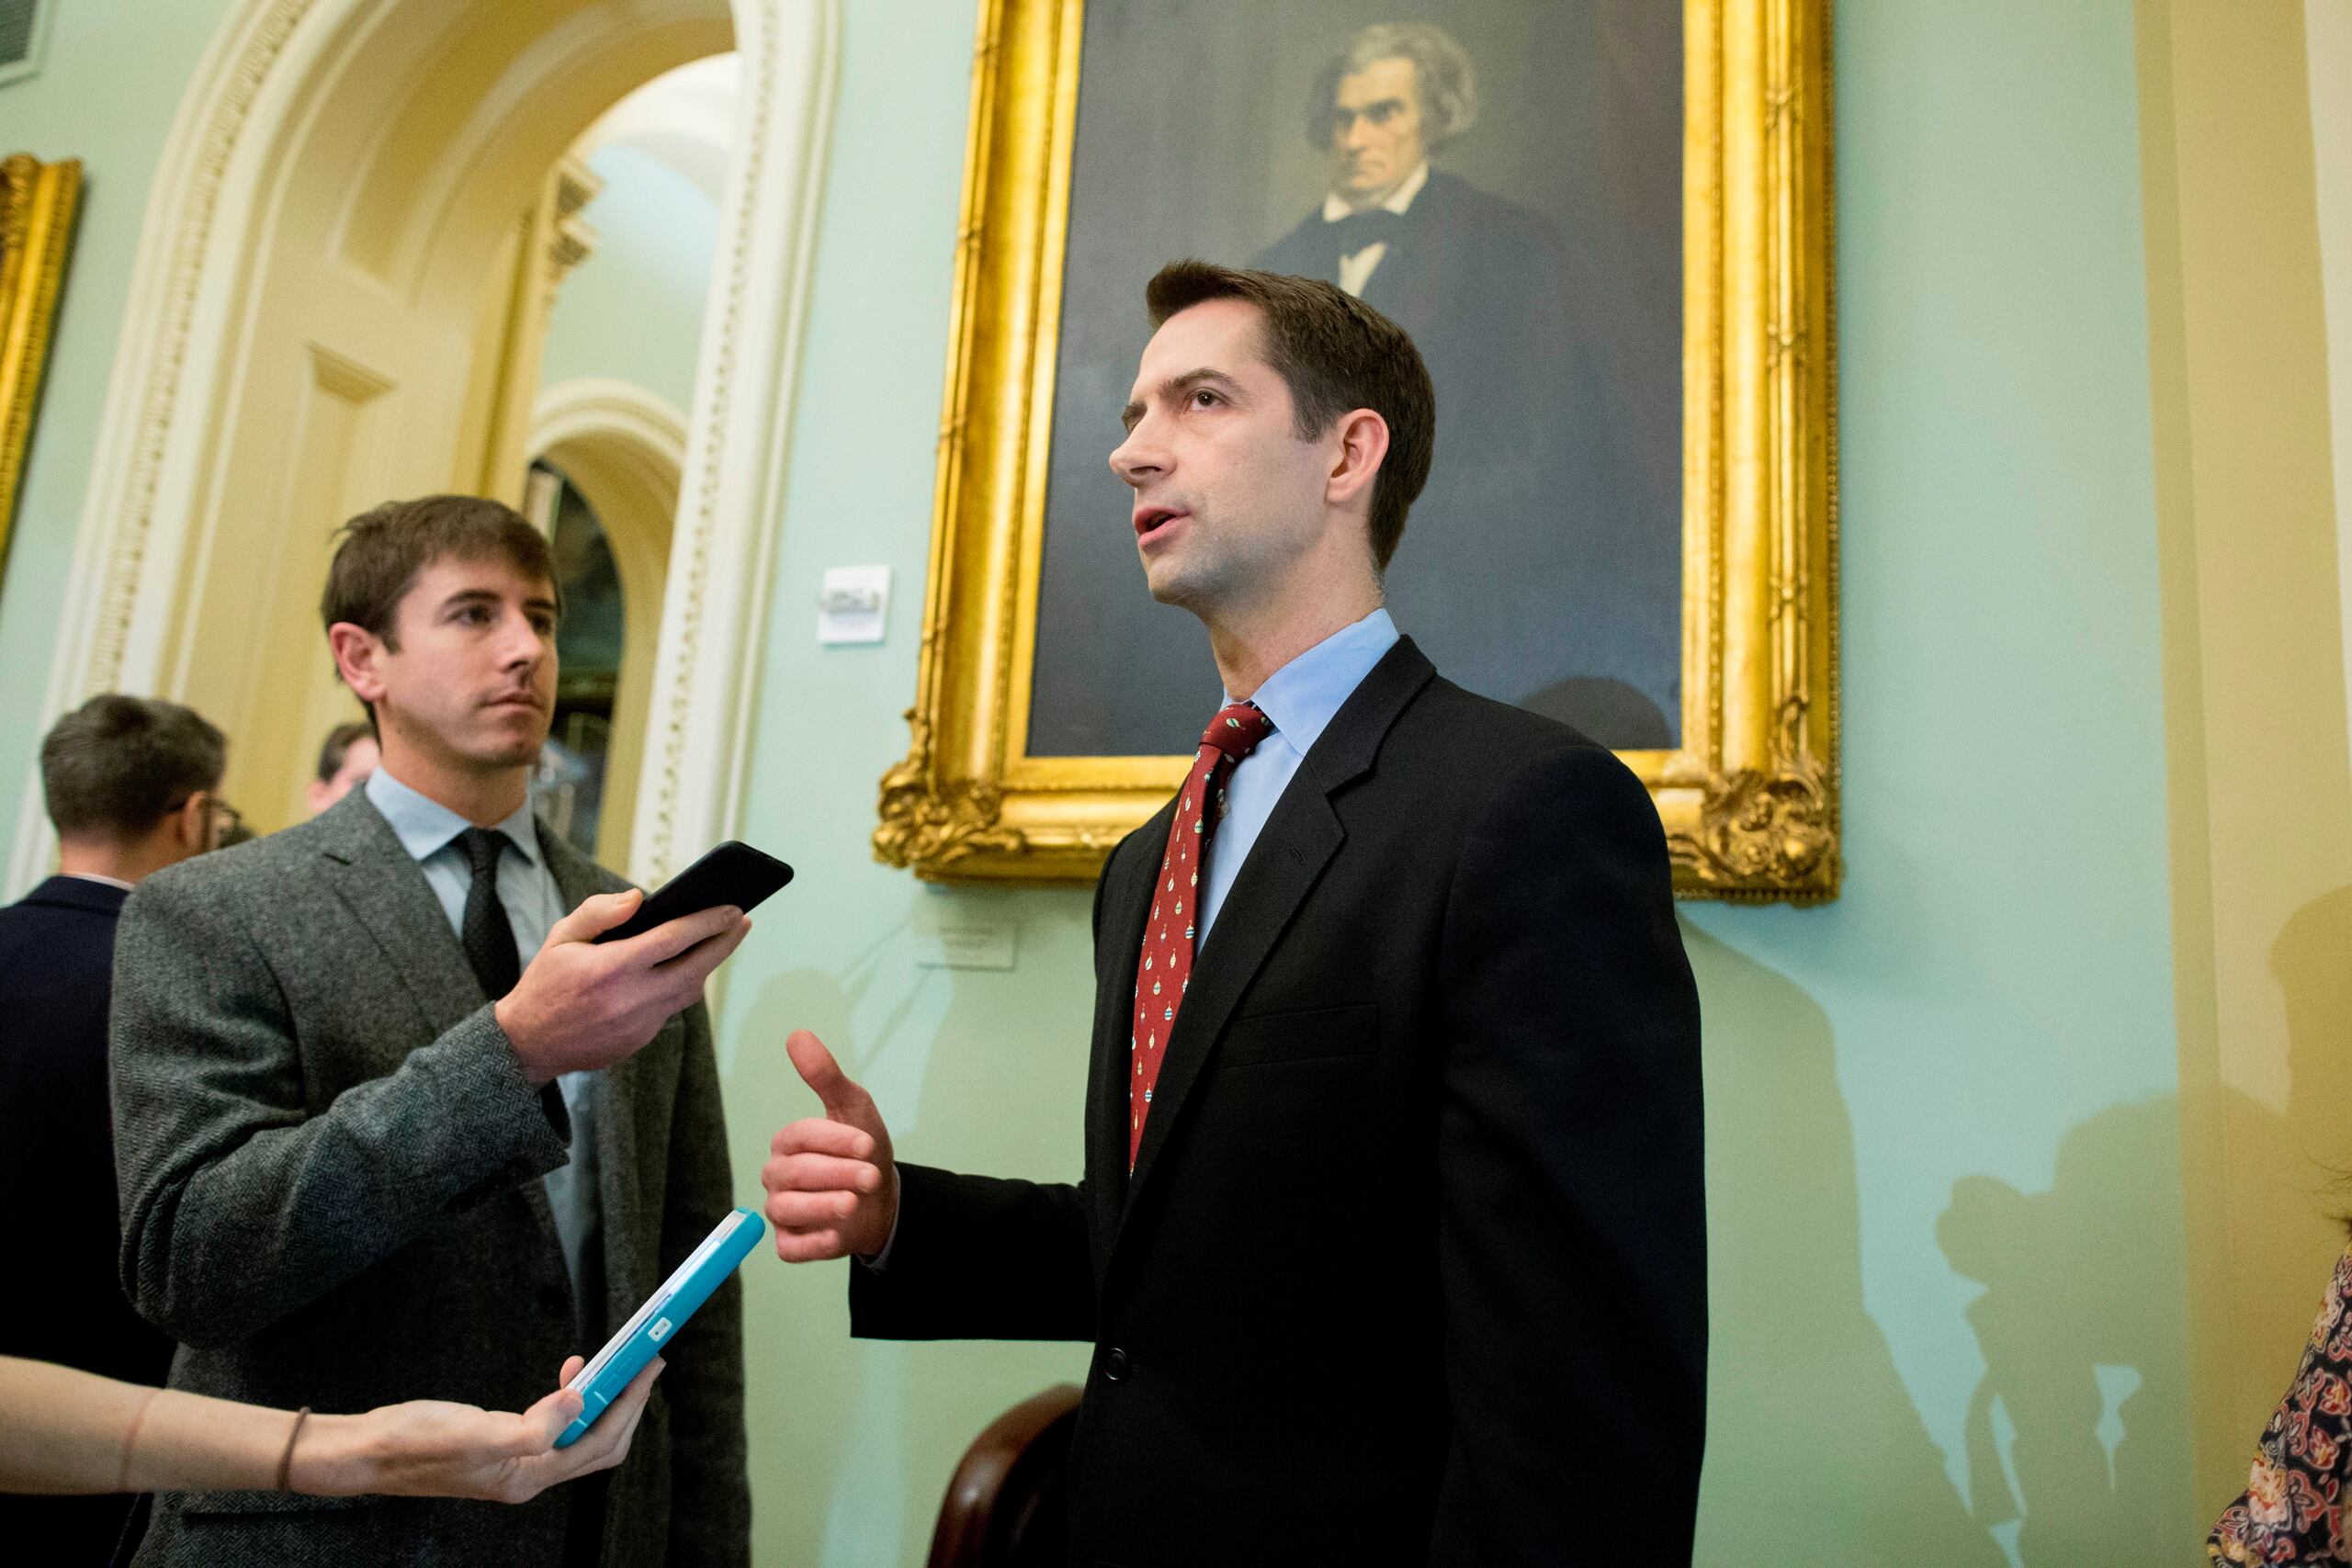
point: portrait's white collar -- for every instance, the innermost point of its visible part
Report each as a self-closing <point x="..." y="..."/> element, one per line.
<point x="1335" y="208"/>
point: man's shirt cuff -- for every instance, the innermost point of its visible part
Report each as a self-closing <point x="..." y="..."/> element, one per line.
<point x="881" y="1260"/>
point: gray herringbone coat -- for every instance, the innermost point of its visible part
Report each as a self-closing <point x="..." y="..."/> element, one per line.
<point x="329" y="1165"/>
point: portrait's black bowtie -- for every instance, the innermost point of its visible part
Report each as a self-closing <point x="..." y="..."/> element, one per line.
<point x="1358" y="230"/>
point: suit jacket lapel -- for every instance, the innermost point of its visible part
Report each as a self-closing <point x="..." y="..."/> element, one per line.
<point x="628" y="1264"/>
<point x="385" y="892"/>
<point x="1296" y="843"/>
<point x="1127" y="903"/>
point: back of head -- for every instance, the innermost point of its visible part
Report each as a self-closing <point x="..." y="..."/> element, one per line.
<point x="112" y="768"/>
<point x="1337" y="355"/>
<point x="384" y="548"/>
<point x="338" y="744"/>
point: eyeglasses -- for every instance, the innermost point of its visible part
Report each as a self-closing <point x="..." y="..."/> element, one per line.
<point x="228" y="824"/>
<point x="223" y="824"/>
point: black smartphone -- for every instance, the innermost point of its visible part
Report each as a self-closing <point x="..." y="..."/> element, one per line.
<point x="734" y="873"/>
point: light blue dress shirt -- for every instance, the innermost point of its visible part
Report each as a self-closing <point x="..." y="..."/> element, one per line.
<point x="526" y="887"/>
<point x="1300" y="698"/>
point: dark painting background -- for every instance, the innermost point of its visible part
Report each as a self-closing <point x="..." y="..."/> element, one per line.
<point x="1542" y="564"/>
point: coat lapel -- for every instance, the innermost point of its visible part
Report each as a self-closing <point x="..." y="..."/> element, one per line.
<point x="1296" y="843"/>
<point x="385" y="892"/>
<point x="1127" y="903"/>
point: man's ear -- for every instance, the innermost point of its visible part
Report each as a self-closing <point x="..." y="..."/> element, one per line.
<point x="358" y="659"/>
<point x="192" y="823"/>
<point x="1362" y="444"/>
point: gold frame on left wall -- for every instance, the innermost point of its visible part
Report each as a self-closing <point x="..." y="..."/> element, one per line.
<point x="37" y="202"/>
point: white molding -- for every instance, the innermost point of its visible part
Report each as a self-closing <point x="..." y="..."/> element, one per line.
<point x="606" y="406"/>
<point x="730" y="505"/>
<point x="686" y="118"/>
<point x="169" y="394"/>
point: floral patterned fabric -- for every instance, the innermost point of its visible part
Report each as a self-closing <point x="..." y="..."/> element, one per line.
<point x="2293" y="1509"/>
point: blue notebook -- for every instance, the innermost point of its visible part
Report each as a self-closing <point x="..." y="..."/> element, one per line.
<point x="664" y="1312"/>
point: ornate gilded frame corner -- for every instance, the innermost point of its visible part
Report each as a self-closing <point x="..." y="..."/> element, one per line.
<point x="1751" y="799"/>
<point x="37" y="202"/>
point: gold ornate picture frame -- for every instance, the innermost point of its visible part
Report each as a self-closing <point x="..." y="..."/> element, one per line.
<point x="37" y="202"/>
<point x="1748" y="798"/>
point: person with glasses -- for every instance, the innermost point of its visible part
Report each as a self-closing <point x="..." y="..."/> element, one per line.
<point x="133" y="784"/>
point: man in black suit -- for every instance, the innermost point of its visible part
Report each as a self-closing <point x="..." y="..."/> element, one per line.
<point x="1391" y="1240"/>
<point x="131" y="787"/>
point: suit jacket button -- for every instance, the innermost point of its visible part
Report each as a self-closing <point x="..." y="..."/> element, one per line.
<point x="551" y="1302"/>
<point x="1116" y="1366"/>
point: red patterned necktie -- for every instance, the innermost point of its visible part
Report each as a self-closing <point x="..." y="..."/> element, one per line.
<point x="1165" y="967"/>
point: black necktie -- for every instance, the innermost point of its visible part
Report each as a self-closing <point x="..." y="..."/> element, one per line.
<point x="1371" y="227"/>
<point x="488" y="937"/>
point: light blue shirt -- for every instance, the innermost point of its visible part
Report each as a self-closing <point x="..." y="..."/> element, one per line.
<point x="428" y="830"/>
<point x="1300" y="698"/>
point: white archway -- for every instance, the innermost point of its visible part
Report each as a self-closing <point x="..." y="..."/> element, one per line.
<point x="624" y="449"/>
<point x="397" y="137"/>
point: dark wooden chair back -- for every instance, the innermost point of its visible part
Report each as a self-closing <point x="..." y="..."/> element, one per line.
<point x="1008" y="1504"/>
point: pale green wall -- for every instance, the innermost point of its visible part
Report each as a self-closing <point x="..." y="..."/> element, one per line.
<point x="977" y="1070"/>
<point x="1977" y="1039"/>
<point x="633" y="310"/>
<point x="1986" y="1010"/>
<point x="1981" y="1026"/>
<point x="114" y="74"/>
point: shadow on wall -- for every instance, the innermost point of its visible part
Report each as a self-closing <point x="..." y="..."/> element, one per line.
<point x="2290" y="1177"/>
<point x="815" y="1396"/>
<point x="852" y="1441"/>
<point x="1815" y="1454"/>
<point x="2076" y="1435"/>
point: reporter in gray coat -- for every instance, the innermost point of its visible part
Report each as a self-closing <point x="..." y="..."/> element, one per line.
<point x="366" y="1152"/>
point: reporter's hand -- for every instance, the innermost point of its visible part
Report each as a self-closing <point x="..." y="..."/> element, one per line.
<point x="832" y="1186"/>
<point x="429" y="1447"/>
<point x="579" y="1005"/>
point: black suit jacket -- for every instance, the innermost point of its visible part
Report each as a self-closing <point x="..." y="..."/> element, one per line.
<point x="57" y="1193"/>
<point x="1411" y="1265"/>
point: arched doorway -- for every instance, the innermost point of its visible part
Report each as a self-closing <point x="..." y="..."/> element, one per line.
<point x="338" y="185"/>
<point x="621" y="449"/>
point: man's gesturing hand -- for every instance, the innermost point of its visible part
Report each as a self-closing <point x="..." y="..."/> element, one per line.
<point x="580" y="1005"/>
<point x="833" y="1189"/>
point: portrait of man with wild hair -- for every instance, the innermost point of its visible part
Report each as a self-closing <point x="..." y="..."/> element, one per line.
<point x="1503" y="181"/>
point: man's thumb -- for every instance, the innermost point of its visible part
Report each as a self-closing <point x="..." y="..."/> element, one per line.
<point x="843" y="1099"/>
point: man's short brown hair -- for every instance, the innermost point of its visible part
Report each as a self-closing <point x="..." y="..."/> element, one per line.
<point x="338" y="744"/>
<point x="1336" y="354"/>
<point x="115" y="766"/>
<point x="384" y="549"/>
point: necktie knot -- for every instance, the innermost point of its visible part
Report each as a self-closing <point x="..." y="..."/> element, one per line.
<point x="1237" y="730"/>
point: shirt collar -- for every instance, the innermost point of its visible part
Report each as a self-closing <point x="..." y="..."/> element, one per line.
<point x="425" y="827"/>
<point x="1398" y="201"/>
<point x="1302" y="697"/>
<point x="93" y="876"/>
